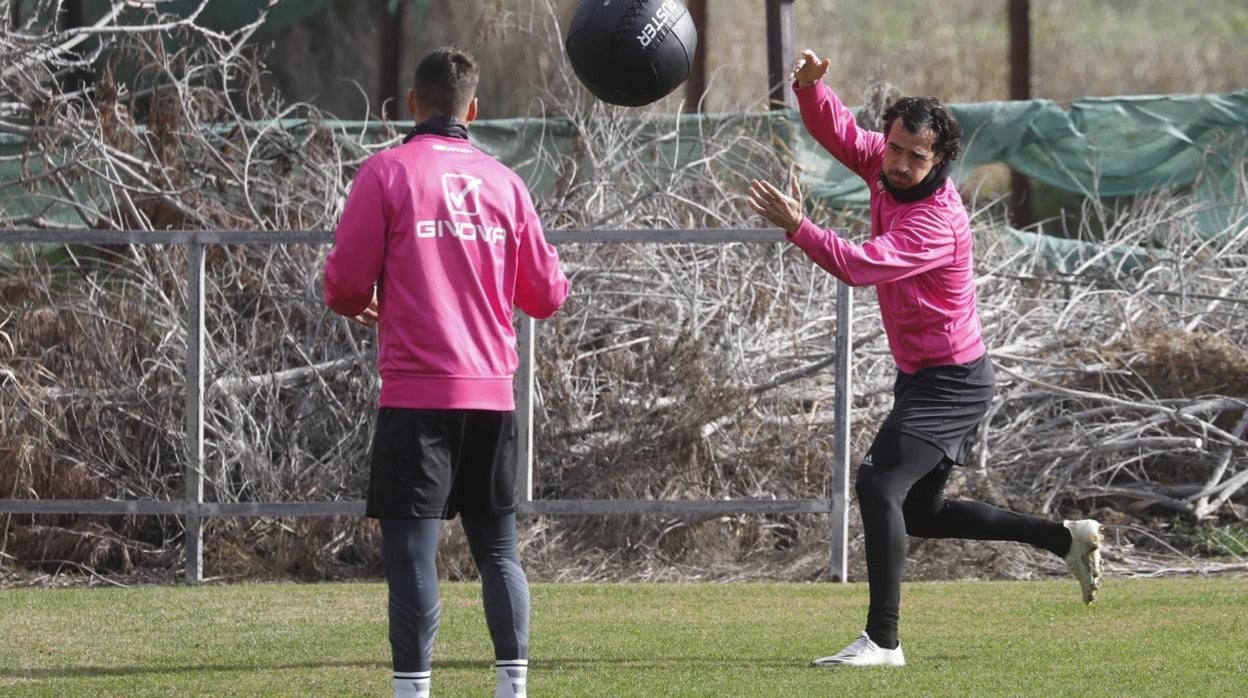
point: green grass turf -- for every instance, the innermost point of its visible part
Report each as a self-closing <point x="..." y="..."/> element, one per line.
<point x="1179" y="636"/>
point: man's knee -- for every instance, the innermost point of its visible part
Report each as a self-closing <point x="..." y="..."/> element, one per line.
<point x="873" y="487"/>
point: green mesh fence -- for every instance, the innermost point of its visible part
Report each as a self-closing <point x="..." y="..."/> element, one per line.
<point x="1103" y="147"/>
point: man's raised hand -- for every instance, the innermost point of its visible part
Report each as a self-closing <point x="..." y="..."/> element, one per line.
<point x="783" y="210"/>
<point x="809" y="69"/>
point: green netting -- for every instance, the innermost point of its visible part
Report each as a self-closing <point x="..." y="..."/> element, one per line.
<point x="1076" y="258"/>
<point x="1104" y="147"/>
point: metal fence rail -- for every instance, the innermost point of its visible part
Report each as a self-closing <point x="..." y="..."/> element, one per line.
<point x="194" y="509"/>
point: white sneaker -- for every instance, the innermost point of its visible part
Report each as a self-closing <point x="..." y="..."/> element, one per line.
<point x="1084" y="558"/>
<point x="864" y="652"/>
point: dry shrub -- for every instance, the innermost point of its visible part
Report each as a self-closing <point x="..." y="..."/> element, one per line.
<point x="1184" y="364"/>
<point x="303" y="549"/>
<point x="675" y="372"/>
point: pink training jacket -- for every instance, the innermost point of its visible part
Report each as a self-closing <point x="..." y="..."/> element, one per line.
<point x="450" y="238"/>
<point x="919" y="254"/>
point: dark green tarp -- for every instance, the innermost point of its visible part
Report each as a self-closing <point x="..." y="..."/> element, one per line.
<point x="1105" y="147"/>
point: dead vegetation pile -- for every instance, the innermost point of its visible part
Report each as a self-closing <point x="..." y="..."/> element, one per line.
<point x="674" y="372"/>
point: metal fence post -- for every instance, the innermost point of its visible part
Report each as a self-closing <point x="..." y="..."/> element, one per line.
<point x="193" y="478"/>
<point x="1020" y="89"/>
<point x="524" y="409"/>
<point x="780" y="53"/>
<point x="838" y="516"/>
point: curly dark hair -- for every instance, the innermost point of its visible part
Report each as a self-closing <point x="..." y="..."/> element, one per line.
<point x="446" y="80"/>
<point x="918" y="113"/>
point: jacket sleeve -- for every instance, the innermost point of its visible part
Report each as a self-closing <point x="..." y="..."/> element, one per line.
<point x="832" y="125"/>
<point x="354" y="264"/>
<point x="921" y="243"/>
<point x="541" y="286"/>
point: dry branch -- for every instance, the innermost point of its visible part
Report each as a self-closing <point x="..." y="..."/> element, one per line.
<point x="675" y="371"/>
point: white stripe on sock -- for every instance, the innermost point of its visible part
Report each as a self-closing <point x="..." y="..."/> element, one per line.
<point x="412" y="686"/>
<point x="512" y="678"/>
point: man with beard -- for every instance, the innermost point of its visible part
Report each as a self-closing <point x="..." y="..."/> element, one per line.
<point x="919" y="258"/>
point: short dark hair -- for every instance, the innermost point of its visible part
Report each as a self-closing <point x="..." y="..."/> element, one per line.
<point x="446" y="80"/>
<point x="918" y="113"/>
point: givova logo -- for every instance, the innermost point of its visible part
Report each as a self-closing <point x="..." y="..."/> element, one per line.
<point x="463" y="194"/>
<point x="464" y="230"/>
<point x="463" y="200"/>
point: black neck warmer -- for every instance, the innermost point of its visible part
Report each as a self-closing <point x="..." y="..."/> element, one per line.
<point x="933" y="181"/>
<point x="440" y="125"/>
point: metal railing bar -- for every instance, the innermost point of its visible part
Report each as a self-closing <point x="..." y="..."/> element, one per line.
<point x="92" y="507"/>
<point x="325" y="237"/>
<point x="538" y="507"/>
<point x="675" y="506"/>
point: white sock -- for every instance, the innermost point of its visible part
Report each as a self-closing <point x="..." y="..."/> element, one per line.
<point x="513" y="678"/>
<point x="411" y="684"/>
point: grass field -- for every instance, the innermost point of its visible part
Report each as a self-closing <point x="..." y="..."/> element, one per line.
<point x="1144" y="637"/>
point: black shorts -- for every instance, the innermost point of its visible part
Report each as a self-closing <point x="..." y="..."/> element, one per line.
<point x="434" y="464"/>
<point x="943" y="405"/>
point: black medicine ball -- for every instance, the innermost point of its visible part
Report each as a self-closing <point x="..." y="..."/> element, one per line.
<point x="631" y="52"/>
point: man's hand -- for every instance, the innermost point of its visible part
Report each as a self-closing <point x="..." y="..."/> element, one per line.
<point x="369" y="316"/>
<point x="776" y="206"/>
<point x="808" y="69"/>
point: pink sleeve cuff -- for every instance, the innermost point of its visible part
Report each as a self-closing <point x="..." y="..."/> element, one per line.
<point x="803" y="232"/>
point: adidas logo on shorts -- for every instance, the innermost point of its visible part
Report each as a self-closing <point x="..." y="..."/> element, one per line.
<point x="866" y="460"/>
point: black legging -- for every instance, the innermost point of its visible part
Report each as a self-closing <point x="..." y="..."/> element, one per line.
<point x="901" y="490"/>
<point x="408" y="548"/>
